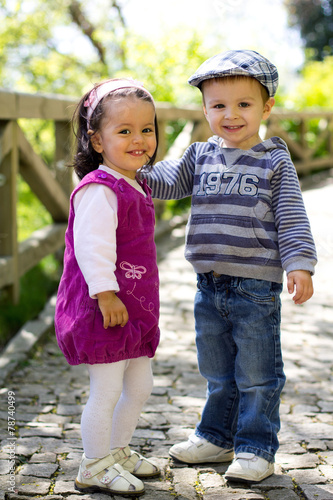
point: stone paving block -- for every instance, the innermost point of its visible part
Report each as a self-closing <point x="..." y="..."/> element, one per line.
<point x="73" y="434"/>
<point x="177" y="433"/>
<point x="45" y="431"/>
<point x="189" y="402"/>
<point x="233" y="494"/>
<point x="301" y="430"/>
<point x="186" y="419"/>
<point x="282" y="495"/>
<point x="316" y="445"/>
<point x="307" y="476"/>
<point x="184" y="482"/>
<point x="25" y="446"/>
<point x="327" y="471"/>
<point x="155" y="420"/>
<point x="38" y="470"/>
<point x="211" y="480"/>
<point x="4" y="467"/>
<point x="326" y="406"/>
<point x="38" y="458"/>
<point x="277" y="480"/>
<point x="20" y="497"/>
<point x="68" y="472"/>
<point x="91" y="496"/>
<point x="32" y="485"/>
<point x="64" y="487"/>
<point x="65" y="410"/>
<point x="148" y="434"/>
<point x="30" y="390"/>
<point x="325" y="418"/>
<point x="306" y="461"/>
<point x="53" y="418"/>
<point x="322" y="492"/>
<point x="305" y="410"/>
<point x="291" y="448"/>
<point x="327" y="456"/>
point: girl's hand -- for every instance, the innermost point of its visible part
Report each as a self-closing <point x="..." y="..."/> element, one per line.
<point x="112" y="308"/>
<point x="302" y="281"/>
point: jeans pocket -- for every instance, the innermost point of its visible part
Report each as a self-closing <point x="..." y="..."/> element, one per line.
<point x="258" y="291"/>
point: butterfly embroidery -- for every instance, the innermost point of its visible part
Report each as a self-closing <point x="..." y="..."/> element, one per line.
<point x="133" y="271"/>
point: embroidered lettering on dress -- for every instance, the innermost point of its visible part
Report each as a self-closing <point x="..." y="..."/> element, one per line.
<point x="142" y="300"/>
<point x="133" y="271"/>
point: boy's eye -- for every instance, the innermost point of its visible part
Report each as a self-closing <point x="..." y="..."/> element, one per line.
<point x="147" y="130"/>
<point x="125" y="131"/>
<point x="219" y="106"/>
<point x="244" y="104"/>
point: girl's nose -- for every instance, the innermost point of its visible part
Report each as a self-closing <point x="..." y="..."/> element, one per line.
<point x="137" y="138"/>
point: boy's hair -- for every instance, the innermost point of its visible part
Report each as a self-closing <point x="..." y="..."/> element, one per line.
<point x="263" y="90"/>
<point x="86" y="159"/>
<point x="238" y="62"/>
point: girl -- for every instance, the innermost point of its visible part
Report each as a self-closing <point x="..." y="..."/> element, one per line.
<point x="107" y="306"/>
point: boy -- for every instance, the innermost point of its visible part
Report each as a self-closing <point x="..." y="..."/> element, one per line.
<point x="247" y="226"/>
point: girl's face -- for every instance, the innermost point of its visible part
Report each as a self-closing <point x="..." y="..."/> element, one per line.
<point x="234" y="110"/>
<point x="127" y="137"/>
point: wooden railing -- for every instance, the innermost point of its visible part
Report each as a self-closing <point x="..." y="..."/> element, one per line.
<point x="52" y="183"/>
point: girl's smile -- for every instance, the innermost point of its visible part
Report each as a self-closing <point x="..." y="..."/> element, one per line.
<point x="127" y="138"/>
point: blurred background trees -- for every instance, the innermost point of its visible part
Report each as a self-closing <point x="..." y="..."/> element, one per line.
<point x="314" y="18"/>
<point x="64" y="47"/>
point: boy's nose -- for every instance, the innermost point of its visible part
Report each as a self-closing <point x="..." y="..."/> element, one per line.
<point x="231" y="113"/>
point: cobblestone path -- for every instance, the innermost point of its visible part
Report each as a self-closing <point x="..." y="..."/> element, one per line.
<point x="49" y="397"/>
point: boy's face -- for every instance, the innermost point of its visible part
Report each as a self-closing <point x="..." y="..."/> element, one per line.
<point x="234" y="109"/>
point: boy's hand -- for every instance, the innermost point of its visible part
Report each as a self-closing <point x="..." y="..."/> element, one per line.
<point x="302" y="282"/>
<point x="112" y="308"/>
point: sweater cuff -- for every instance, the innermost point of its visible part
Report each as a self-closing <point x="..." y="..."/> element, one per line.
<point x="102" y="286"/>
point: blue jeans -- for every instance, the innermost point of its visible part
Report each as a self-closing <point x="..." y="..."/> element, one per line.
<point x="237" y="323"/>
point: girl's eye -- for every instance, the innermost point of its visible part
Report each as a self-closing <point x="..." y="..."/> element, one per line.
<point x="126" y="131"/>
<point x="147" y="130"/>
<point x="244" y="104"/>
<point x="219" y="106"/>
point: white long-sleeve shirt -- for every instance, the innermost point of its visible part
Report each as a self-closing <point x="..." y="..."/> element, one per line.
<point x="95" y="227"/>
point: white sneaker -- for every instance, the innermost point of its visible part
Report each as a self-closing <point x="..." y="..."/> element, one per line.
<point x="249" y="468"/>
<point x="198" y="450"/>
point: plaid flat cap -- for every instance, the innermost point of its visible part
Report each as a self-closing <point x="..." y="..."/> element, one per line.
<point x="238" y="62"/>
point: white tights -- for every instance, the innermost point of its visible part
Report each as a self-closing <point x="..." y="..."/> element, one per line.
<point x="118" y="392"/>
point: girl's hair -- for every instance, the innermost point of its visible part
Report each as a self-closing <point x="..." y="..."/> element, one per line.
<point x="86" y="159"/>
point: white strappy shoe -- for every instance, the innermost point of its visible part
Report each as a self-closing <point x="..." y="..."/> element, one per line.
<point x="135" y="463"/>
<point x="104" y="475"/>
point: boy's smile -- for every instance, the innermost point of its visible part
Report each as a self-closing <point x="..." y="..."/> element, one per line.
<point x="234" y="108"/>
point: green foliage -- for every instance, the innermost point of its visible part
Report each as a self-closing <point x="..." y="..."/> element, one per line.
<point x="46" y="47"/>
<point x="165" y="66"/>
<point x="31" y="213"/>
<point x="40" y="134"/>
<point x="315" y="87"/>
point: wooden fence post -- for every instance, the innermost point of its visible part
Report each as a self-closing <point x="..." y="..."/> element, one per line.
<point x="8" y="202"/>
<point x="63" y="136"/>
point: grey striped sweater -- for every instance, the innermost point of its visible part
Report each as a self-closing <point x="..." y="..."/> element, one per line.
<point x="247" y="216"/>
